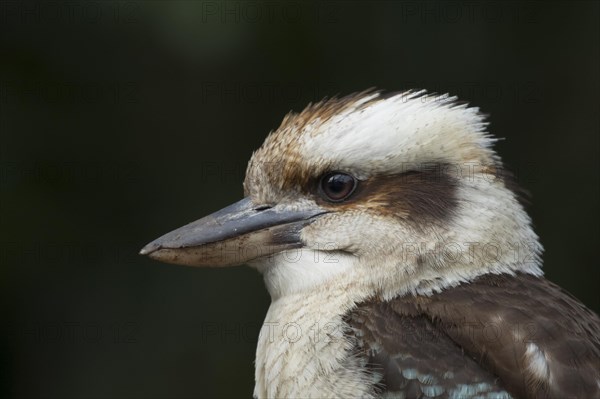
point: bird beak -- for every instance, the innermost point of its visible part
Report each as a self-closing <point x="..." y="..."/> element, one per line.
<point x="234" y="235"/>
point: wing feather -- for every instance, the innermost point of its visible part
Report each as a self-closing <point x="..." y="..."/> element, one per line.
<point x="497" y="335"/>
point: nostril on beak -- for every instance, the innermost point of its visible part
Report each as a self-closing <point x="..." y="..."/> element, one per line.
<point x="262" y="207"/>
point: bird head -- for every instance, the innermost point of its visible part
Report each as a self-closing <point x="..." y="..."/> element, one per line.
<point x="388" y="194"/>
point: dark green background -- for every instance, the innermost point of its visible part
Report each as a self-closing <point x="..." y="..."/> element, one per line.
<point x="122" y="120"/>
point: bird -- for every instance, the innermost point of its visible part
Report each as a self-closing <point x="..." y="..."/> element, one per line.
<point x="399" y="259"/>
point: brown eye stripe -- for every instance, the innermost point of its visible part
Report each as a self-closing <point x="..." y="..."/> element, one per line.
<point x="419" y="196"/>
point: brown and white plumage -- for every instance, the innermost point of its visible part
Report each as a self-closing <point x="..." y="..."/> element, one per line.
<point x="424" y="280"/>
<point x="520" y="334"/>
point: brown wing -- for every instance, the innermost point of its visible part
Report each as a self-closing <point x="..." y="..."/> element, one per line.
<point x="522" y="333"/>
<point x="416" y="358"/>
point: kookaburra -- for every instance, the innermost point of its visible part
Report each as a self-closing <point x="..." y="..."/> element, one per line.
<point x="399" y="260"/>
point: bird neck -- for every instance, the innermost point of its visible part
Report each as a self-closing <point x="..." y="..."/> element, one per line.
<point x="304" y="349"/>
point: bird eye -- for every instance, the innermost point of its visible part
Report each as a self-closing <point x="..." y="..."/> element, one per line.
<point x="337" y="186"/>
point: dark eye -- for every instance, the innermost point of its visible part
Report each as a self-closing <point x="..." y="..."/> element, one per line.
<point x="337" y="186"/>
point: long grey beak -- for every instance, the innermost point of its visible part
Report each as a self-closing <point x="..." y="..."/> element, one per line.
<point x="234" y="235"/>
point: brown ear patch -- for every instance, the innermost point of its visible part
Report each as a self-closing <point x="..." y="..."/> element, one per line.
<point x="420" y="197"/>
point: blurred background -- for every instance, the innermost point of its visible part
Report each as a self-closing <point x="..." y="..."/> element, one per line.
<point x="120" y="121"/>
